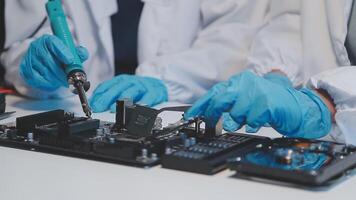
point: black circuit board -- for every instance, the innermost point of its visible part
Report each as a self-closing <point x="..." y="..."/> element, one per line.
<point x="62" y="133"/>
<point x="208" y="155"/>
<point x="137" y="140"/>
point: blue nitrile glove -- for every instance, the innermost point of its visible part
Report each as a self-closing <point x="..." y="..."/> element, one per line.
<point x="276" y="77"/>
<point x="42" y="65"/>
<point x="256" y="101"/>
<point x="142" y="90"/>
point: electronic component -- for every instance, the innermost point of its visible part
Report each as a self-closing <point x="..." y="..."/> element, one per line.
<point x="208" y="155"/>
<point x="2" y="103"/>
<point x="3" y="114"/>
<point x="299" y="161"/>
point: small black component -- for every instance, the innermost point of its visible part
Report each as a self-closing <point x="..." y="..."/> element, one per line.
<point x="210" y="132"/>
<point x="123" y="108"/>
<point x="142" y="121"/>
<point x="29" y="123"/>
<point x="2" y="103"/>
<point x="59" y="129"/>
<point x="71" y="133"/>
<point x="297" y="161"/>
<point x="76" y="127"/>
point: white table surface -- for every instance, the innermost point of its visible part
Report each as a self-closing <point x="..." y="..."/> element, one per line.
<point x="32" y="175"/>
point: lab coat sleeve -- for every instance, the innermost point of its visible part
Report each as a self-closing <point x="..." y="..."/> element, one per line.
<point x="340" y="84"/>
<point x="11" y="60"/>
<point x="18" y="39"/>
<point x="278" y="45"/>
<point x="219" y="50"/>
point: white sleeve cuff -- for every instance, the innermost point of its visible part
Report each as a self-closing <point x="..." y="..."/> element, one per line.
<point x="290" y="71"/>
<point x="346" y="122"/>
<point x="177" y="91"/>
<point x="339" y="83"/>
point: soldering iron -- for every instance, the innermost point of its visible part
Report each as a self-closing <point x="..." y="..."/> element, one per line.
<point x="75" y="74"/>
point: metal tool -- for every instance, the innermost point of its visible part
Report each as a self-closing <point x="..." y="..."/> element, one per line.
<point x="75" y="74"/>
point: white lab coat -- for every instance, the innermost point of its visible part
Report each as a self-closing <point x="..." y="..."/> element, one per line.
<point x="305" y="39"/>
<point x="189" y="44"/>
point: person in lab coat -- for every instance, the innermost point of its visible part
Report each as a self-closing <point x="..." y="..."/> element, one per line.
<point x="310" y="42"/>
<point x="183" y="47"/>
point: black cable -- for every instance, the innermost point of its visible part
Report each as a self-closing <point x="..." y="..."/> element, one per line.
<point x="38" y="28"/>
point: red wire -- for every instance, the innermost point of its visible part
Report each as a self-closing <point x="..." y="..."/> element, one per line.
<point x="7" y="91"/>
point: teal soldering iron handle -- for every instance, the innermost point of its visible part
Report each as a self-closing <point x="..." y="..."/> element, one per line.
<point x="75" y="73"/>
<point x="60" y="28"/>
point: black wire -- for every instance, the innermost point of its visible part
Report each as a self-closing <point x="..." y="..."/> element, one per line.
<point x="38" y="28"/>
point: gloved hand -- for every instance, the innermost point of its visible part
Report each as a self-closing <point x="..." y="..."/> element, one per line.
<point x="279" y="78"/>
<point x="142" y="90"/>
<point x="42" y="65"/>
<point x="276" y="77"/>
<point x="255" y="101"/>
